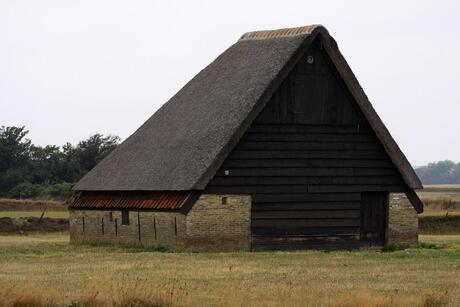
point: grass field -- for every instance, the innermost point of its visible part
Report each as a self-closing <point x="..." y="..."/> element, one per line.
<point x="44" y="269"/>
<point x="440" y="200"/>
<point x="436" y="213"/>
<point x="46" y="263"/>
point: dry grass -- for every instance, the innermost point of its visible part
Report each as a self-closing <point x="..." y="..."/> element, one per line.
<point x="106" y="276"/>
<point x="365" y="298"/>
<point x="142" y="294"/>
<point x="440" y="200"/>
<point x="442" y="203"/>
<point x="442" y="187"/>
<point x="7" y="204"/>
<point x="441" y="214"/>
<point x="50" y="214"/>
<point x="439" y="225"/>
<point x="22" y="296"/>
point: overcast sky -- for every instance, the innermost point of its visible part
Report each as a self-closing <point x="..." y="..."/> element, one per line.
<point x="69" y="68"/>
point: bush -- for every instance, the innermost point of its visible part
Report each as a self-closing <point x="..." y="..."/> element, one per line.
<point x="427" y="245"/>
<point x="57" y="190"/>
<point x="391" y="247"/>
<point x="24" y="190"/>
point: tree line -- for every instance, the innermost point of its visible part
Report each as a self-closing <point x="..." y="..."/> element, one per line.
<point x="31" y="171"/>
<point x="442" y="172"/>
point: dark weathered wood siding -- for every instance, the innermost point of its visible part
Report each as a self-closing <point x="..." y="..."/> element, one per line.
<point x="305" y="160"/>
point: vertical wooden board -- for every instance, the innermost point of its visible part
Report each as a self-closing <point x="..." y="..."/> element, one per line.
<point x="276" y="108"/>
<point x="331" y="107"/>
<point x="329" y="101"/>
<point x="309" y="99"/>
<point x="373" y="217"/>
<point x="289" y="99"/>
<point x="310" y="133"/>
<point x="315" y="67"/>
<point x="283" y="101"/>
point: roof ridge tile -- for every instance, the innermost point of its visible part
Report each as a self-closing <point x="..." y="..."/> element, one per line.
<point x="268" y="34"/>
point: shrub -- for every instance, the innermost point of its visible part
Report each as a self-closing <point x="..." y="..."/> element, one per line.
<point x="26" y="190"/>
<point x="57" y="190"/>
<point x="427" y="245"/>
<point x="391" y="247"/>
<point x="33" y="190"/>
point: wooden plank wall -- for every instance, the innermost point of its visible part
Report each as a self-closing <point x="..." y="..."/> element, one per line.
<point x="305" y="160"/>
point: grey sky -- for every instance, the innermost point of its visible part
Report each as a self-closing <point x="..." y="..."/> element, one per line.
<point x="71" y="68"/>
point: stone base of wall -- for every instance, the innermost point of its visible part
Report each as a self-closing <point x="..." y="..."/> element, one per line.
<point x="220" y="222"/>
<point x="403" y="221"/>
<point x="165" y="229"/>
<point x="215" y="222"/>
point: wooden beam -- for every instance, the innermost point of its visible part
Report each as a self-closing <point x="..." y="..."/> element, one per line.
<point x="415" y="201"/>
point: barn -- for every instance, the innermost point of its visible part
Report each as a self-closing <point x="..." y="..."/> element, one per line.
<point x="274" y="145"/>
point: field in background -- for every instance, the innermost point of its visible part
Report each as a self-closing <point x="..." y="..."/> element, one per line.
<point x="441" y="198"/>
<point x="438" y="199"/>
<point x="441" y="216"/>
<point x="442" y="209"/>
<point x="47" y="264"/>
<point x="49" y="214"/>
<point x="26" y="216"/>
<point x="442" y="187"/>
<point x="26" y="222"/>
<point x="7" y="204"/>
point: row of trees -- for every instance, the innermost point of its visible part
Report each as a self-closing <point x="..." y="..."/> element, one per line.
<point x="442" y="172"/>
<point x="28" y="170"/>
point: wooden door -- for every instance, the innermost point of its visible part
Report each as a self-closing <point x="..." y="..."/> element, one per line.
<point x="374" y="208"/>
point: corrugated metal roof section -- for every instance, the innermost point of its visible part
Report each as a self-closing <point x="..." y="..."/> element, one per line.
<point x="164" y="200"/>
<point x="278" y="33"/>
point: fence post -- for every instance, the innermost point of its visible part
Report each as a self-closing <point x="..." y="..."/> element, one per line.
<point x="139" y="225"/>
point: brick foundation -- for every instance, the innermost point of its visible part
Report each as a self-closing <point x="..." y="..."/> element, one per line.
<point x="217" y="226"/>
<point x="209" y="225"/>
<point x="403" y="221"/>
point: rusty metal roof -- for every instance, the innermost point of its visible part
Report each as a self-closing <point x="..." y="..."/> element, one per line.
<point x="163" y="200"/>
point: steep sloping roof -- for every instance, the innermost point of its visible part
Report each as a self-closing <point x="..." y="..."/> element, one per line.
<point x="183" y="144"/>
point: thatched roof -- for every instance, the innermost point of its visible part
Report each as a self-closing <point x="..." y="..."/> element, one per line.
<point x="184" y="143"/>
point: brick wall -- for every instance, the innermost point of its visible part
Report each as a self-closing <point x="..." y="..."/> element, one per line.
<point x="209" y="225"/>
<point x="145" y="228"/>
<point x="212" y="224"/>
<point x="403" y="221"/>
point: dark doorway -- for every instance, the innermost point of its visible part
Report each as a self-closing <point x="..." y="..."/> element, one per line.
<point x="373" y="217"/>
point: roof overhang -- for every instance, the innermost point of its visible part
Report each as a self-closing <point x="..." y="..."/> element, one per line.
<point x="134" y="200"/>
<point x="415" y="201"/>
